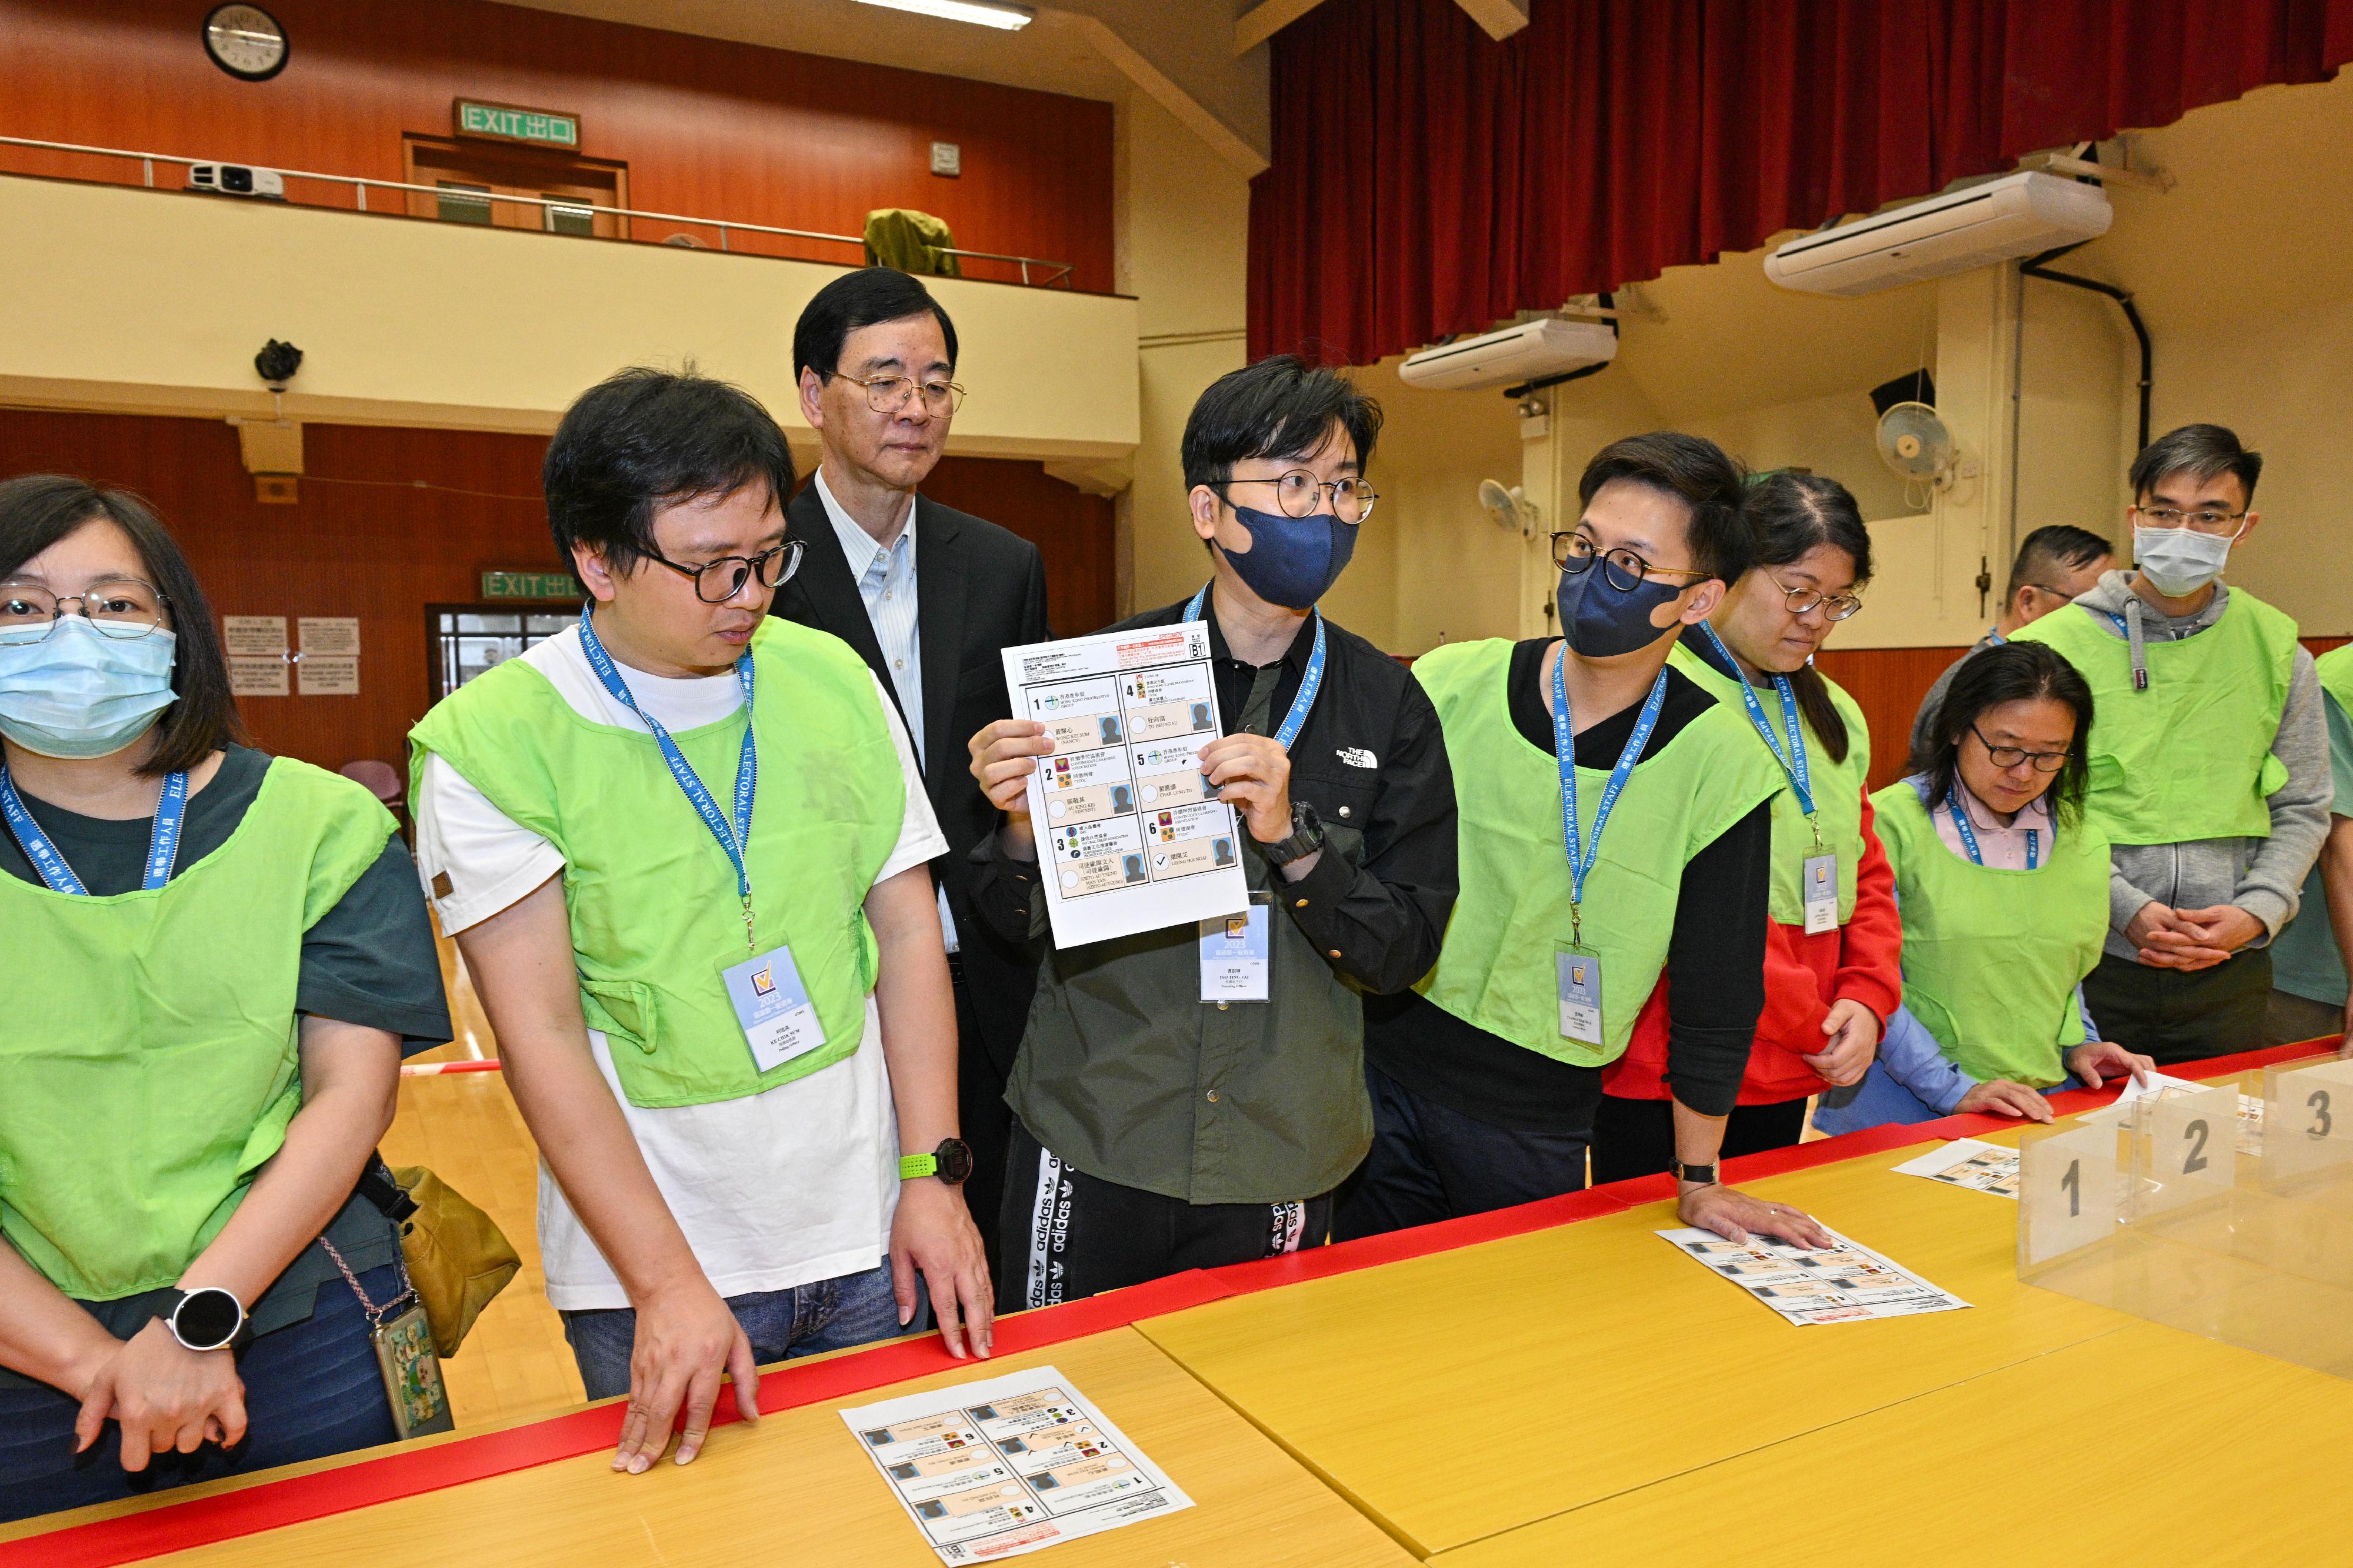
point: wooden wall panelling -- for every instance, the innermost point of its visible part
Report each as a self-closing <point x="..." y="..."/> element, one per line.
<point x="366" y="541"/>
<point x="1887" y="684"/>
<point x="707" y="127"/>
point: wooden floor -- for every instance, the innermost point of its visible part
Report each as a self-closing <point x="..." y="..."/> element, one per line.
<point x="465" y="1127"/>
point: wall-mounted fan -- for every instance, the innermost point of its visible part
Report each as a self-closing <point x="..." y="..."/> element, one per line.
<point x="1512" y="510"/>
<point x="1917" y="448"/>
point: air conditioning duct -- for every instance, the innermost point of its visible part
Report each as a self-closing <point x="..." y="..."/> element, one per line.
<point x="2017" y="215"/>
<point x="1526" y="353"/>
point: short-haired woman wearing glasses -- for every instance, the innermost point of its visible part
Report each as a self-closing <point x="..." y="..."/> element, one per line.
<point x="216" y="957"/>
<point x="1831" y="935"/>
<point x="2004" y="890"/>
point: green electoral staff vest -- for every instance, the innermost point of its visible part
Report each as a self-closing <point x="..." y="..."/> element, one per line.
<point x="1838" y="788"/>
<point x="2191" y="756"/>
<point x="2335" y="669"/>
<point x="651" y="894"/>
<point x="1992" y="957"/>
<point x="159" y="1075"/>
<point x="1496" y="969"/>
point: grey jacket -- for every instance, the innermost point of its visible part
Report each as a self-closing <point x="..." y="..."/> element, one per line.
<point x="2264" y="877"/>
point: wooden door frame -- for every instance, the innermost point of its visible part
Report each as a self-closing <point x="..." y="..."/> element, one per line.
<point x="554" y="162"/>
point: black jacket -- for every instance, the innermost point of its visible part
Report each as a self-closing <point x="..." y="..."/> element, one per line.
<point x="979" y="589"/>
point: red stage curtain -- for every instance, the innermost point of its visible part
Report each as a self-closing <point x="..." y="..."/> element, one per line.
<point x="1428" y="181"/>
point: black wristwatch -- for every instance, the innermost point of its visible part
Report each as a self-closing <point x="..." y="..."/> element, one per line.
<point x="207" y="1319"/>
<point x="950" y="1163"/>
<point x="1306" y="836"/>
<point x="1699" y="1175"/>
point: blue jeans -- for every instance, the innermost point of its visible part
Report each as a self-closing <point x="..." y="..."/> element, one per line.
<point x="828" y="1315"/>
<point x="312" y="1389"/>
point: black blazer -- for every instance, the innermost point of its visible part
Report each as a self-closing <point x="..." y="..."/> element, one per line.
<point x="979" y="590"/>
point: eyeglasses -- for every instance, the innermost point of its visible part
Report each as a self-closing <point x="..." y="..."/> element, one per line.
<point x="2060" y="595"/>
<point x="1622" y="569"/>
<point x="890" y="394"/>
<point x="2203" y="522"/>
<point x="1300" y="493"/>
<point x="716" y="581"/>
<point x="121" y="607"/>
<point x="2010" y="757"/>
<point x="1804" y="601"/>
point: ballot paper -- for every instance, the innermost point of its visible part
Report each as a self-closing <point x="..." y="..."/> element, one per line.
<point x="1969" y="1162"/>
<point x="1841" y="1283"/>
<point x="2163" y="1085"/>
<point x="1131" y="836"/>
<point x="1008" y="1464"/>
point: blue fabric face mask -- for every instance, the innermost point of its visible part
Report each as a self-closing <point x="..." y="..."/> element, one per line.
<point x="1292" y="560"/>
<point x="1602" y="620"/>
<point x="78" y="692"/>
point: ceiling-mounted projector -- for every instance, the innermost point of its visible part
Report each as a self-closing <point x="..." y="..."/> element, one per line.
<point x="2017" y="215"/>
<point x="1525" y="352"/>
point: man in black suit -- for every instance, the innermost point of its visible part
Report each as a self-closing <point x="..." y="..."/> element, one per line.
<point x="929" y="595"/>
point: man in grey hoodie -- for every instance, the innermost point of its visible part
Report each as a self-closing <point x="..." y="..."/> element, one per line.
<point x="2209" y="758"/>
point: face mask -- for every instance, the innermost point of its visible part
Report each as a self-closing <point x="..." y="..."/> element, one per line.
<point x="1602" y="620"/>
<point x="1292" y="560"/>
<point x="78" y="692"/>
<point x="2178" y="562"/>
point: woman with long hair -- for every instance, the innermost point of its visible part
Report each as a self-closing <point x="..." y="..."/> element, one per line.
<point x="221" y="955"/>
<point x="1833" y="938"/>
<point x="2004" y="890"/>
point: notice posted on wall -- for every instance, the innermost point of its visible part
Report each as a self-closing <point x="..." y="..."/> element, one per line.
<point x="1008" y="1464"/>
<point x="329" y="674"/>
<point x="1130" y="837"/>
<point x="329" y="634"/>
<point x="1969" y="1162"/>
<point x="1842" y="1283"/>
<point x="257" y="674"/>
<point x="253" y="636"/>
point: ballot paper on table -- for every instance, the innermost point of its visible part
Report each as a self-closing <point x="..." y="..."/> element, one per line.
<point x="1969" y="1162"/>
<point x="1131" y="836"/>
<point x="1843" y="1283"/>
<point x="1008" y="1465"/>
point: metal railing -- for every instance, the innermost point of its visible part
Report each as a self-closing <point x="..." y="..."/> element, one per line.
<point x="1052" y="272"/>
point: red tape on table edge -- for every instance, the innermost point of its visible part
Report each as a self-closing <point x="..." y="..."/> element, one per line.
<point x="199" y="1522"/>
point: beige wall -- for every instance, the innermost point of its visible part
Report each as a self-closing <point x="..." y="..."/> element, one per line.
<point x="139" y="302"/>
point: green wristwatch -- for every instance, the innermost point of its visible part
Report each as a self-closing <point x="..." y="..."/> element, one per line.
<point x="950" y="1163"/>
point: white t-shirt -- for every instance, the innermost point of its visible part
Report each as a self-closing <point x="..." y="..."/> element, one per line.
<point x="778" y="1189"/>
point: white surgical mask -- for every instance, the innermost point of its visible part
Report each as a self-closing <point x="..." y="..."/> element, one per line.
<point x="2178" y="562"/>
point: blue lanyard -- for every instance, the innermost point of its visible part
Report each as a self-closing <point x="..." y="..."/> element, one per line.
<point x="1565" y="751"/>
<point x="162" y="844"/>
<point x="1794" y="762"/>
<point x="747" y="765"/>
<point x="1993" y="636"/>
<point x="1308" y="683"/>
<point x="1970" y="839"/>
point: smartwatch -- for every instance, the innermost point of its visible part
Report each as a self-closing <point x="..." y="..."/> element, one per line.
<point x="950" y="1163"/>
<point x="1700" y="1175"/>
<point x="207" y="1319"/>
<point x="1306" y="836"/>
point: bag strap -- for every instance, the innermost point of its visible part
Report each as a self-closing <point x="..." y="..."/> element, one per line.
<point x="376" y="1184"/>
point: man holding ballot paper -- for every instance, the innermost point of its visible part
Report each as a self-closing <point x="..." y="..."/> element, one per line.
<point x="1189" y="1096"/>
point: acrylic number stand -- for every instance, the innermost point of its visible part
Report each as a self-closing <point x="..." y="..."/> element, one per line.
<point x="2229" y="1216"/>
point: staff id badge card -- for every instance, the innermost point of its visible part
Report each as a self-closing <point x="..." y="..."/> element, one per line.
<point x="1236" y="952"/>
<point x="772" y="1006"/>
<point x="1579" y="970"/>
<point x="1821" y="893"/>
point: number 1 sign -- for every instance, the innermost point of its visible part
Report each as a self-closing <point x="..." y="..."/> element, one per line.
<point x="2067" y="1192"/>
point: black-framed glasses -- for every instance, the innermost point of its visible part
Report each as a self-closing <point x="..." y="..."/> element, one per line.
<point x="2203" y="522"/>
<point x="120" y="607"/>
<point x="890" y="394"/>
<point x="2010" y="757"/>
<point x="716" y="581"/>
<point x="1803" y="601"/>
<point x="1575" y="553"/>
<point x="1300" y="494"/>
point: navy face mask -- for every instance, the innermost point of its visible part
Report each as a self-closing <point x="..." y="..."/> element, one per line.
<point x="1602" y="620"/>
<point x="1292" y="560"/>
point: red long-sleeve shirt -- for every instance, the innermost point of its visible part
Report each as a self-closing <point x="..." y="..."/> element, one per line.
<point x="1861" y="961"/>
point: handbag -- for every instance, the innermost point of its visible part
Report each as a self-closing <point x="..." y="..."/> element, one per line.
<point x="457" y="1259"/>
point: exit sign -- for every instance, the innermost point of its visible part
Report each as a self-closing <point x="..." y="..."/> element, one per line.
<point x="507" y="122"/>
<point x="531" y="586"/>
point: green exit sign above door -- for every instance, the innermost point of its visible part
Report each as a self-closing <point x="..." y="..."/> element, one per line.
<point x="507" y="122"/>
<point x="531" y="586"/>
